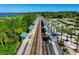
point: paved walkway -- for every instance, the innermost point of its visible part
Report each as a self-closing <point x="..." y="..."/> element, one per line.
<point x="21" y="49"/>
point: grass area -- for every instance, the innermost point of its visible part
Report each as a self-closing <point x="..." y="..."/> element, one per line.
<point x="8" y="49"/>
<point x="10" y="17"/>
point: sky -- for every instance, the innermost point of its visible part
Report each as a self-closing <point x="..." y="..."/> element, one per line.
<point x="38" y="7"/>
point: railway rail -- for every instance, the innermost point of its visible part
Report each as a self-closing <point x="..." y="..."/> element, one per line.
<point x="36" y="45"/>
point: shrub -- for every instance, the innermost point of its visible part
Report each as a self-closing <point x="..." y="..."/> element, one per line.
<point x="66" y="50"/>
<point x="61" y="43"/>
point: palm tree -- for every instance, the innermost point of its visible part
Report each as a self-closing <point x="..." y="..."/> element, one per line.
<point x="58" y="26"/>
<point x="77" y="34"/>
<point x="1" y="38"/>
<point x="70" y="32"/>
<point x="77" y="38"/>
<point x="61" y="30"/>
<point x="67" y="31"/>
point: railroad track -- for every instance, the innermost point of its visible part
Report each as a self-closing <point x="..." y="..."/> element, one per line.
<point x="36" y="41"/>
<point x="36" y="45"/>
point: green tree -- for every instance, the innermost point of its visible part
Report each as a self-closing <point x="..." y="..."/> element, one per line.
<point x="62" y="31"/>
<point x="77" y="39"/>
<point x="18" y="30"/>
<point x="70" y="32"/>
<point x="67" y="30"/>
<point x="3" y="38"/>
<point x="77" y="34"/>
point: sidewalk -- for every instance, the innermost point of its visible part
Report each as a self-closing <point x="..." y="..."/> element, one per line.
<point x="20" y="51"/>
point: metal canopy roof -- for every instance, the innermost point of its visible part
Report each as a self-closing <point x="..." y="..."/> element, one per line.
<point x="24" y="34"/>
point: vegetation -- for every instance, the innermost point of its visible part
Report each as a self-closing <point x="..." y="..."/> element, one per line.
<point x="61" y="17"/>
<point x="61" y="43"/>
<point x="65" y="50"/>
<point x="60" y="14"/>
<point x="10" y="29"/>
<point x="12" y="26"/>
